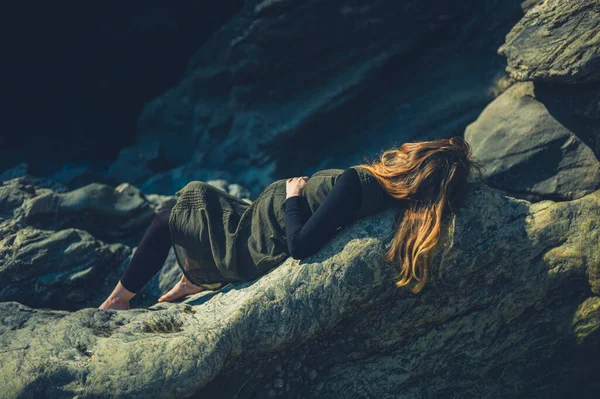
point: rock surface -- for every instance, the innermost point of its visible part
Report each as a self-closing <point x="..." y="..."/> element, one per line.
<point x="518" y="282"/>
<point x="359" y="77"/>
<point x="528" y="152"/>
<point x="513" y="306"/>
<point x="67" y="249"/>
<point x="557" y="41"/>
<point x="540" y="139"/>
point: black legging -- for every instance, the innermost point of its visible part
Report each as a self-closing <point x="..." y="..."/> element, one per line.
<point x="150" y="255"/>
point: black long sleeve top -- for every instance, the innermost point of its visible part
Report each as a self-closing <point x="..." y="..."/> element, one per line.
<point x="337" y="209"/>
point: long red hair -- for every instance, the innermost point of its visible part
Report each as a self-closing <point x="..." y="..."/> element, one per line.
<point x="431" y="176"/>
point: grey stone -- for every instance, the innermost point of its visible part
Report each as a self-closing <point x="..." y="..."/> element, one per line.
<point x="557" y="41"/>
<point x="21" y="169"/>
<point x="108" y="213"/>
<point x="280" y="73"/>
<point x="531" y="153"/>
<point x="498" y="274"/>
<point x="64" y="269"/>
<point x="134" y="163"/>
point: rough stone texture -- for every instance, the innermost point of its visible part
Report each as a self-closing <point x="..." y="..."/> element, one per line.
<point x="513" y="306"/>
<point x="109" y="213"/>
<point x="528" y="4"/>
<point x="19" y="170"/>
<point x="529" y="150"/>
<point x="60" y="269"/>
<point x="75" y="176"/>
<point x="47" y="260"/>
<point x="516" y="284"/>
<point x="70" y="176"/>
<point x="556" y="40"/>
<point x="359" y="76"/>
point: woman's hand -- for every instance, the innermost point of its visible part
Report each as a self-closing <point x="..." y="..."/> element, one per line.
<point x="294" y="186"/>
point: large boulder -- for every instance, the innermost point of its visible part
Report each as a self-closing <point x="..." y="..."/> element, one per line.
<point x="136" y="163"/>
<point x="540" y="139"/>
<point x="64" y="269"/>
<point x="290" y="87"/>
<point x="531" y="151"/>
<point x="109" y="213"/>
<point x="511" y="307"/>
<point x="556" y="40"/>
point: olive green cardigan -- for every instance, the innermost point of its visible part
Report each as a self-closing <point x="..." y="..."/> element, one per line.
<point x="218" y="238"/>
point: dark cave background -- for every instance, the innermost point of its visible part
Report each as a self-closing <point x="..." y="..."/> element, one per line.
<point x="78" y="74"/>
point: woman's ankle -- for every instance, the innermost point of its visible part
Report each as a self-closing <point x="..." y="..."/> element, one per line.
<point x="121" y="293"/>
<point x="117" y="299"/>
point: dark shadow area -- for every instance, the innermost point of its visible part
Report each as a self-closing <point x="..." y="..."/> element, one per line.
<point x="396" y="104"/>
<point x="576" y="107"/>
<point x="78" y="74"/>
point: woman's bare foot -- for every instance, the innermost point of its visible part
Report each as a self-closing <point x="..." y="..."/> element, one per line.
<point x="182" y="288"/>
<point x="114" y="303"/>
<point x="118" y="299"/>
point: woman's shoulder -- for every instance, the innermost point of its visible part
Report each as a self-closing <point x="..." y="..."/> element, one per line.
<point x="343" y="179"/>
<point x="349" y="176"/>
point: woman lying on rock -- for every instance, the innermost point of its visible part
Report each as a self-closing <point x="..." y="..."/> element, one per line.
<point x="218" y="238"/>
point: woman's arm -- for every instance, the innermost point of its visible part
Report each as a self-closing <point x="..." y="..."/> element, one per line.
<point x="305" y="239"/>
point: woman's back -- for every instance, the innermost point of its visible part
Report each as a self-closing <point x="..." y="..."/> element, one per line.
<point x="267" y="242"/>
<point x="218" y="237"/>
<point x="313" y="220"/>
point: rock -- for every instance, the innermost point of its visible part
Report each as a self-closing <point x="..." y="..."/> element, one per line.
<point x="69" y="269"/>
<point x="508" y="277"/>
<point x="136" y="163"/>
<point x="577" y="107"/>
<point x="168" y="183"/>
<point x="240" y="192"/>
<point x="65" y="269"/>
<point x="161" y="201"/>
<point x="556" y="41"/>
<point x="500" y="85"/>
<point x="528" y="4"/>
<point x="279" y="74"/>
<point x="533" y="153"/>
<point x="46" y="258"/>
<point x="108" y="213"/>
<point x="21" y="169"/>
<point x="75" y="175"/>
<point x="12" y="195"/>
<point x="34" y="184"/>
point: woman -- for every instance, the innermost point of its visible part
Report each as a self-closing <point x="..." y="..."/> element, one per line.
<point x="218" y="238"/>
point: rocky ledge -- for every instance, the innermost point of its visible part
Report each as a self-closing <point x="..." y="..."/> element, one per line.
<point x="515" y="287"/>
<point x="512" y="307"/>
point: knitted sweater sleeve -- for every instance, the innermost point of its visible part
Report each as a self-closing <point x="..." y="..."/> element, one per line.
<point x="338" y="208"/>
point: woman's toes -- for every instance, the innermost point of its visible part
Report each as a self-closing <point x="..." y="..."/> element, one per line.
<point x="114" y="304"/>
<point x="178" y="291"/>
<point x="167" y="297"/>
<point x="172" y="294"/>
